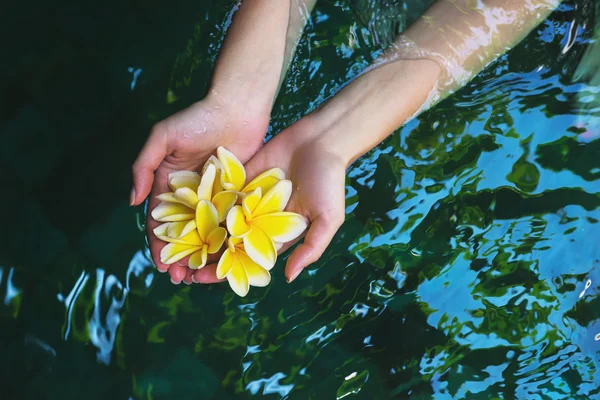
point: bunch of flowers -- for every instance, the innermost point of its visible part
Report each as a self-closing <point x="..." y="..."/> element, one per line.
<point x="205" y="211"/>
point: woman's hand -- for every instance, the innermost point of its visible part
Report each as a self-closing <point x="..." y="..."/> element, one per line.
<point x="318" y="178"/>
<point x="184" y="141"/>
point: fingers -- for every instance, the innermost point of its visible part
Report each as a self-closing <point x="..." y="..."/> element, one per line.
<point x="284" y="247"/>
<point x="188" y="276"/>
<point x="177" y="273"/>
<point x="207" y="274"/>
<point x="319" y="235"/>
<point x="155" y="247"/>
<point x="155" y="244"/>
<point x="152" y="154"/>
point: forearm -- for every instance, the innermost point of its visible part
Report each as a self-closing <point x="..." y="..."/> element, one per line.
<point x="450" y="44"/>
<point x="366" y="111"/>
<point x="464" y="36"/>
<point x="250" y="64"/>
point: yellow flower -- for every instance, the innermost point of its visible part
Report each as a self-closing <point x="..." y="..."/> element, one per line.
<point x="258" y="225"/>
<point x="192" y="226"/>
<point x="264" y="181"/>
<point x="239" y="269"/>
<point x="231" y="174"/>
<point x="262" y="224"/>
<point x="188" y="189"/>
<point x="196" y="238"/>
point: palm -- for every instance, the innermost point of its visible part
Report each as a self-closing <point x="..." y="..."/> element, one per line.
<point x="184" y="141"/>
<point x="318" y="179"/>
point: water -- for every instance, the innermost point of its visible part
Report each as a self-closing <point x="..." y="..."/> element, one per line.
<point x="468" y="266"/>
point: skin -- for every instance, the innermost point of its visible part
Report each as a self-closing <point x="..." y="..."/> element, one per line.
<point x="316" y="150"/>
<point x="234" y="114"/>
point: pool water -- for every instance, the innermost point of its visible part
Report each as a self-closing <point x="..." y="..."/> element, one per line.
<point x="468" y="266"/>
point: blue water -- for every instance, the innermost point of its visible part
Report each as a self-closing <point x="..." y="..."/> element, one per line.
<point x="468" y="266"/>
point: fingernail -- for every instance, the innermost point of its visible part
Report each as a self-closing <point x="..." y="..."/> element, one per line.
<point x="132" y="196"/>
<point x="294" y="276"/>
<point x="175" y="282"/>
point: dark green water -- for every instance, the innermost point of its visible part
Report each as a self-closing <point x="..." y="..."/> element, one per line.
<point x="459" y="273"/>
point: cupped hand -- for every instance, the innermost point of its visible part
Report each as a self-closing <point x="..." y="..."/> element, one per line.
<point x="318" y="176"/>
<point x="184" y="141"/>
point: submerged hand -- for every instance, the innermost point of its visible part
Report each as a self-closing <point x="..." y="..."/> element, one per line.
<point x="184" y="141"/>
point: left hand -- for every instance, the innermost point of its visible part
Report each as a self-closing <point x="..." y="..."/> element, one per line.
<point x="318" y="176"/>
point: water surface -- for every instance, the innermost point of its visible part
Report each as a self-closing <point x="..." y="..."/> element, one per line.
<point x="468" y="266"/>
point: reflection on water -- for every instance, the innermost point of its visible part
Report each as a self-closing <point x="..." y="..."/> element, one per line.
<point x="468" y="266"/>
<point x="93" y="306"/>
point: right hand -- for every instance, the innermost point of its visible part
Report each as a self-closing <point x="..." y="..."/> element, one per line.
<point x="184" y="141"/>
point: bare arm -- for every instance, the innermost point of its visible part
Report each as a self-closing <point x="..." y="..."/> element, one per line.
<point x="452" y="42"/>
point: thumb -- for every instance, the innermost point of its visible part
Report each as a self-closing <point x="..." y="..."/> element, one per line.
<point x="319" y="235"/>
<point x="152" y="154"/>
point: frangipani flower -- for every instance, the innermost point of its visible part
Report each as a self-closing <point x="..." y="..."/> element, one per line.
<point x="240" y="270"/>
<point x="194" y="219"/>
<point x="188" y="189"/>
<point x="198" y="239"/>
<point x="261" y="222"/>
<point x="172" y="207"/>
<point x="231" y="174"/>
<point x="258" y="225"/>
<point x="265" y="181"/>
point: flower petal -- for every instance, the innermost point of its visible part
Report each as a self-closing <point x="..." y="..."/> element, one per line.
<point x="236" y="222"/>
<point x="237" y="278"/>
<point x="198" y="259"/>
<point x="187" y="197"/>
<point x="234" y="175"/>
<point x="191" y="239"/>
<point x="214" y="161"/>
<point x="217" y="188"/>
<point x="265" y="181"/>
<point x="163" y="229"/>
<point x="223" y="202"/>
<point x="250" y="202"/>
<point x="169" y="212"/>
<point x="180" y="229"/>
<point x="206" y="184"/>
<point x="206" y="219"/>
<point x="257" y="276"/>
<point x="281" y="226"/>
<point x="215" y="240"/>
<point x="275" y="199"/>
<point x="260" y="248"/>
<point x="174" y="252"/>
<point x="225" y="264"/>
<point x="168" y="196"/>
<point x="181" y="179"/>
<point x="278" y="245"/>
<point x="233" y="243"/>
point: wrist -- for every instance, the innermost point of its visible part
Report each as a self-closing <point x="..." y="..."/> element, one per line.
<point x="365" y="112"/>
<point x="241" y="116"/>
<point x="246" y="96"/>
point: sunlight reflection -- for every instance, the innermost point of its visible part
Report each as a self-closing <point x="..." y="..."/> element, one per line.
<point x="69" y="301"/>
<point x="108" y="298"/>
<point x="11" y="290"/>
<point x="270" y="385"/>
